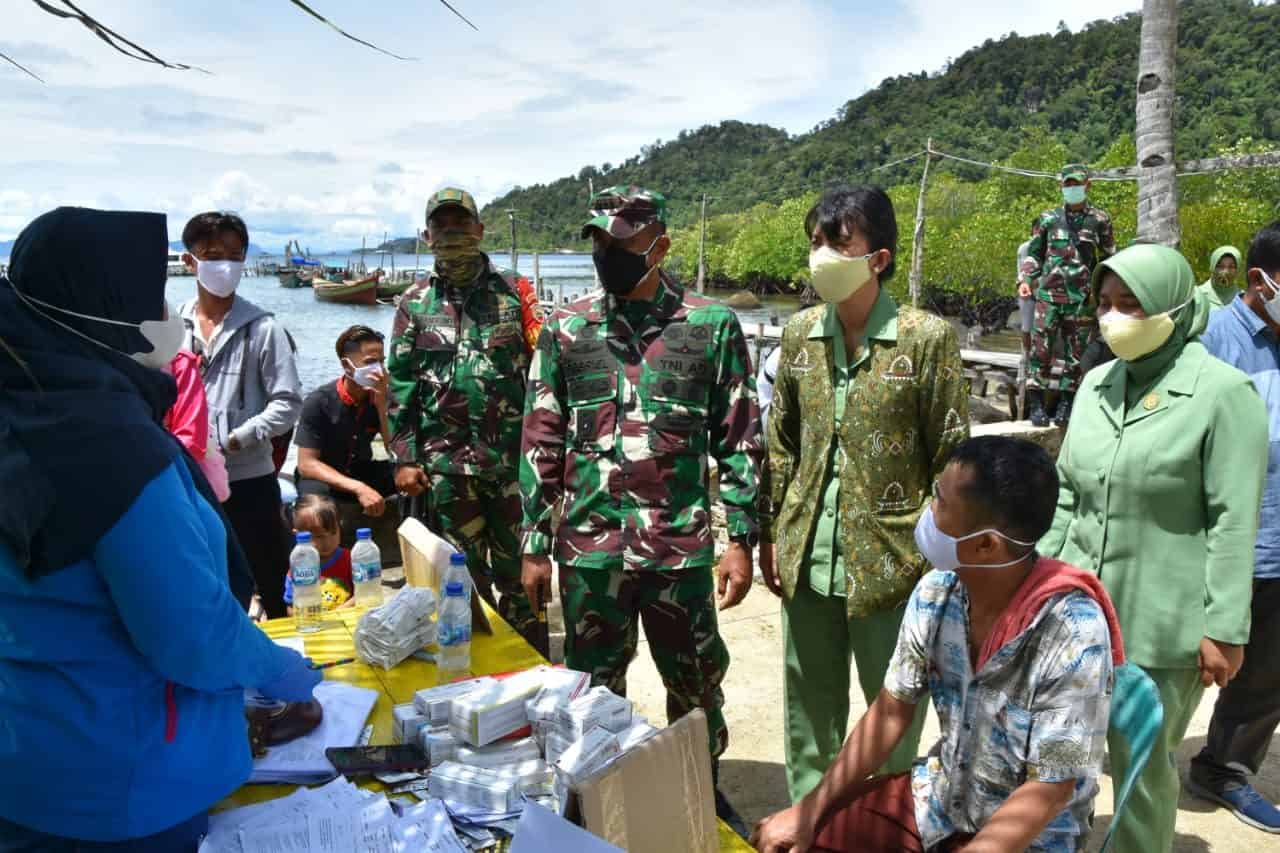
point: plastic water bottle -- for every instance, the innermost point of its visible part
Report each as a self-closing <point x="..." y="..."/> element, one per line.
<point x="366" y="570"/>
<point x="456" y="571"/>
<point x="455" y="633"/>
<point x="304" y="566"/>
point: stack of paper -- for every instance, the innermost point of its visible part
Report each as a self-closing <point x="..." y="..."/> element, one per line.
<point x="334" y="819"/>
<point x="302" y="761"/>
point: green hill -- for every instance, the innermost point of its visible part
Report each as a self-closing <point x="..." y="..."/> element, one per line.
<point x="1077" y="88"/>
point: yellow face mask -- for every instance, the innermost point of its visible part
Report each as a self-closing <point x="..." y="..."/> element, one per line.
<point x="1131" y="338"/>
<point x="836" y="277"/>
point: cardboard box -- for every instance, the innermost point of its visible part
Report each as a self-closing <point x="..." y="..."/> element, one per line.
<point x="438" y="744"/>
<point x="597" y="707"/>
<point x="477" y="787"/>
<point x="666" y="785"/>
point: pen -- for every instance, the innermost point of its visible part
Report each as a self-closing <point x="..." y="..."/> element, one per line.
<point x="338" y="662"/>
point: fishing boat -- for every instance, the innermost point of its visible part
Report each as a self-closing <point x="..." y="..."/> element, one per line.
<point x="362" y="292"/>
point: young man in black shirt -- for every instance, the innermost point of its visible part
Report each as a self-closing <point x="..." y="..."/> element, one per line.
<point x="334" y="437"/>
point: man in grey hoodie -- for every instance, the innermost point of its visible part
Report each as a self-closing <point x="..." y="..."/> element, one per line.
<point x="251" y="382"/>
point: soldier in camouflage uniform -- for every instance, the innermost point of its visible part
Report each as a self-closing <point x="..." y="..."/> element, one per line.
<point x="631" y="390"/>
<point x="1066" y="244"/>
<point x="459" y="358"/>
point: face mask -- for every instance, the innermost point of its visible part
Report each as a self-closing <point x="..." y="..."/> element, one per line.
<point x="1130" y="338"/>
<point x="621" y="270"/>
<point x="1073" y="195"/>
<point x="219" y="277"/>
<point x="165" y="336"/>
<point x="457" y="257"/>
<point x="1273" y="304"/>
<point x="836" y="277"/>
<point x="366" y="376"/>
<point x="942" y="551"/>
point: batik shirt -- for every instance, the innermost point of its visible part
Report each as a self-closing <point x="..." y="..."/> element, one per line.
<point x="627" y="402"/>
<point x="1037" y="710"/>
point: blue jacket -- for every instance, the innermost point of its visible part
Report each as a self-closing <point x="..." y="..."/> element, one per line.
<point x="122" y="675"/>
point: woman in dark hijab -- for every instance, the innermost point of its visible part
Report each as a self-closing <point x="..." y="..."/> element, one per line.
<point x="123" y="654"/>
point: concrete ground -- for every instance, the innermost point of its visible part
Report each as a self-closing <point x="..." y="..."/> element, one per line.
<point x="752" y="769"/>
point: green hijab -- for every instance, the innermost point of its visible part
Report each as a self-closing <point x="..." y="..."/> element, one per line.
<point x="1162" y="280"/>
<point x="1228" y="293"/>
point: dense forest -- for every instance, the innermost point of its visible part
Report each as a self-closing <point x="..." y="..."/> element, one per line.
<point x="1022" y="100"/>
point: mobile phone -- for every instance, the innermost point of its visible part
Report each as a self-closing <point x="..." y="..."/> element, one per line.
<point x="367" y="760"/>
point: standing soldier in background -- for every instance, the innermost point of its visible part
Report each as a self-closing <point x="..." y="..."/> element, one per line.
<point x="460" y="353"/>
<point x="1066" y="244"/>
<point x="629" y="393"/>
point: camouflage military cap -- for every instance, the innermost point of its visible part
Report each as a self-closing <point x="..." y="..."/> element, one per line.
<point x="452" y="197"/>
<point x="1078" y="171"/>
<point x="624" y="210"/>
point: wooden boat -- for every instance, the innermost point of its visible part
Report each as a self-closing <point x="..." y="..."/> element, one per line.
<point x="392" y="289"/>
<point x="289" y="278"/>
<point x="362" y="292"/>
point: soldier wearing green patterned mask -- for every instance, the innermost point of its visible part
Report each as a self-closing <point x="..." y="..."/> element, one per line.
<point x="457" y="364"/>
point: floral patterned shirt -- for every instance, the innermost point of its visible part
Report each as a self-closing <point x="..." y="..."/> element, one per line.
<point x="1037" y="710"/>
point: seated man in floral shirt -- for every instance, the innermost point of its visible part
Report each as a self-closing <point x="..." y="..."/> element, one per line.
<point x="1017" y="652"/>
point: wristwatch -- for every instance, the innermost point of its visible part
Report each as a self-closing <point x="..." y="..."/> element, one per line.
<point x="746" y="540"/>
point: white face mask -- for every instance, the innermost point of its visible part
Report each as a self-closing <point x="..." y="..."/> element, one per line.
<point x="1273" y="304"/>
<point x="366" y="376"/>
<point x="219" y="277"/>
<point x="942" y="551"/>
<point x="836" y="277"/>
<point x="165" y="336"/>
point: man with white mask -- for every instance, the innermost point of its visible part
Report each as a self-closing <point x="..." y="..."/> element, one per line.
<point x="1018" y="654"/>
<point x="869" y="401"/>
<point x="335" y="442"/>
<point x="251" y="381"/>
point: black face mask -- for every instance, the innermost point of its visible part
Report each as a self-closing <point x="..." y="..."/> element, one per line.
<point x="620" y="271"/>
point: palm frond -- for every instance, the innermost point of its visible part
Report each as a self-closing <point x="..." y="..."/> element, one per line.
<point x="321" y="18"/>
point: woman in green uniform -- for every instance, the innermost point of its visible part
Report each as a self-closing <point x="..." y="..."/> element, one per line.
<point x="1161" y="479"/>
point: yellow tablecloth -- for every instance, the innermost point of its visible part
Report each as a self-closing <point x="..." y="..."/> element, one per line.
<point x="504" y="651"/>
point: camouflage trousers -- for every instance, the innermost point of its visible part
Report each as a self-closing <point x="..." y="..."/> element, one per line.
<point x="482" y="519"/>
<point x="603" y="609"/>
<point x="1075" y="324"/>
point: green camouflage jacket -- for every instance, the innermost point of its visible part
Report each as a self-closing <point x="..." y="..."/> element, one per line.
<point x="907" y="408"/>
<point x="619" y="422"/>
<point x="458" y="364"/>
<point x="1057" y="267"/>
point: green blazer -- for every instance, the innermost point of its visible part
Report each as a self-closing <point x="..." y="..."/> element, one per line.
<point x="1161" y="501"/>
<point x="906" y="408"/>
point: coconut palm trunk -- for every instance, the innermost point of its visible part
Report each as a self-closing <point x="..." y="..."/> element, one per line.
<point x="1157" y="180"/>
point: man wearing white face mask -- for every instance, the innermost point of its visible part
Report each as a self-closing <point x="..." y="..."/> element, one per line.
<point x="1017" y="653"/>
<point x="335" y="433"/>
<point x="868" y="403"/>
<point x="1246" y="335"/>
<point x="251" y="381"/>
<point x="1066" y="244"/>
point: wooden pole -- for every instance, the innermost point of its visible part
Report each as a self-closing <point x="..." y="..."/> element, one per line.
<point x="515" y="260"/>
<point x="917" y="240"/>
<point x="417" y="253"/>
<point x="702" y="248"/>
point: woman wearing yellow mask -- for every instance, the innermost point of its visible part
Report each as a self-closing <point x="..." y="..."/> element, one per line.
<point x="1161" y="479"/>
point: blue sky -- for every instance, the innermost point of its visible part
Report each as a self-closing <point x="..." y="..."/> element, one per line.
<point x="312" y="136"/>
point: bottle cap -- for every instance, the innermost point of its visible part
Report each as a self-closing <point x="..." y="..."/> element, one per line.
<point x="364" y="533"/>
<point x="457" y="559"/>
<point x="302" y="538"/>
<point x="453" y="588"/>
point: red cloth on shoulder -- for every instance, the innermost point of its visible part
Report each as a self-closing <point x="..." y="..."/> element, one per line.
<point x="1045" y="580"/>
